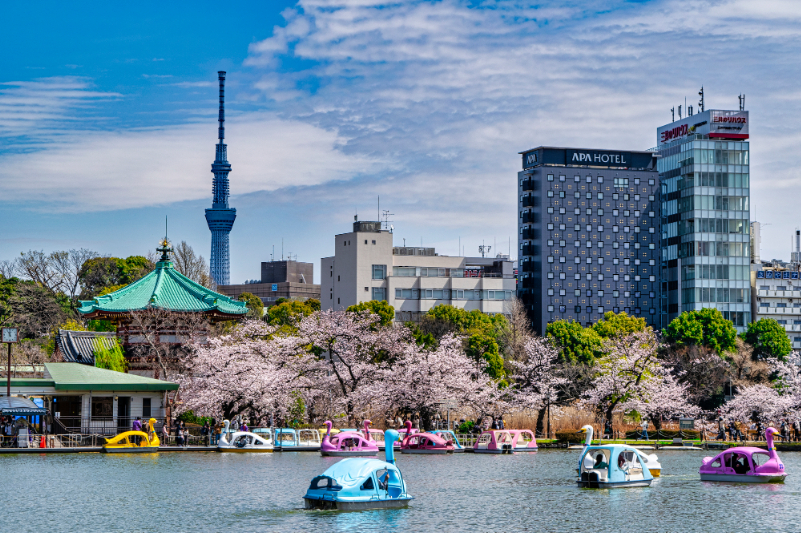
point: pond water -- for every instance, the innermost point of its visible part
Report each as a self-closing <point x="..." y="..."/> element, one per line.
<point x="176" y="492"/>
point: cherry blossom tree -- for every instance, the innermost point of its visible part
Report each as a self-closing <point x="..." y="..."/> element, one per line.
<point x="537" y="377"/>
<point x="758" y="402"/>
<point x="350" y="347"/>
<point x="630" y="377"/>
<point x="248" y="371"/>
<point x="418" y="380"/>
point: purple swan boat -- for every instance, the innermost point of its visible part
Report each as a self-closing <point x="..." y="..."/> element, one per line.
<point x="745" y="464"/>
<point x="348" y="443"/>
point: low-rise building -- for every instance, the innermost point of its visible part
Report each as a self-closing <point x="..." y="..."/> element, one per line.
<point x="776" y="294"/>
<point x="292" y="280"/>
<point x="368" y="266"/>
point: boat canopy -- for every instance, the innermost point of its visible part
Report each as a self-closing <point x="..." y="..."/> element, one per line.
<point x="351" y="472"/>
<point x="16" y="406"/>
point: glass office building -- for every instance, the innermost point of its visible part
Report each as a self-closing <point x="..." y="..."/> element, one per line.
<point x="704" y="185"/>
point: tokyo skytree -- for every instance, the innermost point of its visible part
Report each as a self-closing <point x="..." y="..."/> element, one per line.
<point x="220" y="217"/>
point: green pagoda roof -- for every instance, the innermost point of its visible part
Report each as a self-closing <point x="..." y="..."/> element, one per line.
<point x="164" y="288"/>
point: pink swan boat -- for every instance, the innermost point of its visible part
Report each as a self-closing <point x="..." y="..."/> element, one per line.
<point x="427" y="443"/>
<point x="347" y="443"/>
<point x="745" y="464"/>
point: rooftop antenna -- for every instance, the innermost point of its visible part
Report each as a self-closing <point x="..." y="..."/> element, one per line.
<point x="673" y="114"/>
<point x="679" y="112"/>
<point x="378" y="211"/>
<point x="742" y="102"/>
<point x="484" y="249"/>
<point x="701" y="102"/>
<point x="387" y="214"/>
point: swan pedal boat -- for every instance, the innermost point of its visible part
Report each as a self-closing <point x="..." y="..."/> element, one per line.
<point x="424" y="443"/>
<point x="348" y="443"/>
<point x="358" y="483"/>
<point x="134" y="441"/>
<point x="448" y="435"/>
<point x="745" y="464"/>
<point x="243" y="442"/>
<point x="612" y="465"/>
<point x="495" y="441"/>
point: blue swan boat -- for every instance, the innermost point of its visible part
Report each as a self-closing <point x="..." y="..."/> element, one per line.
<point x="611" y="466"/>
<point x="359" y="483"/>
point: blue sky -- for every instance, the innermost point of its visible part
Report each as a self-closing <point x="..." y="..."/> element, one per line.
<point x="108" y="113"/>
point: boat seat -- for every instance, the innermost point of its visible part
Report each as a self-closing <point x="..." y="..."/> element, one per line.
<point x="602" y="473"/>
<point x="393" y="492"/>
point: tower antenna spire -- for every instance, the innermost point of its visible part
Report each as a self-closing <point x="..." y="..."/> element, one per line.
<point x="221" y="118"/>
<point x="220" y="217"/>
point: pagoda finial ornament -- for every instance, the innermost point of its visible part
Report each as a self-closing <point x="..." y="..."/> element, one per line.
<point x="220" y="217"/>
<point x="165" y="249"/>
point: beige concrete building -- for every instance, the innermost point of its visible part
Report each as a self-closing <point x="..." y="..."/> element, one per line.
<point x="368" y="266"/>
<point x="776" y="294"/>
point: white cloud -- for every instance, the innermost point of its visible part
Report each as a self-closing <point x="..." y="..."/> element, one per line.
<point x="93" y="171"/>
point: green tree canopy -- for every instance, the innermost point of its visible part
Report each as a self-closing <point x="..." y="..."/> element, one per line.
<point x="109" y="358"/>
<point x="255" y="305"/>
<point x="381" y="308"/>
<point x="287" y="312"/>
<point x="768" y="338"/>
<point x="614" y="324"/>
<point x="576" y="344"/>
<point x="100" y="274"/>
<point x="483" y="332"/>
<point x="706" y="327"/>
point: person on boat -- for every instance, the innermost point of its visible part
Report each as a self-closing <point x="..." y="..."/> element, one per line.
<point x="740" y="464"/>
<point x="621" y="462"/>
<point x="383" y="481"/>
<point x="600" y="462"/>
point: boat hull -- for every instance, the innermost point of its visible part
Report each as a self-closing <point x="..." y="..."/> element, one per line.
<point x="744" y="478"/>
<point x="499" y="452"/>
<point x="398" y="503"/>
<point x="365" y="453"/>
<point x="525" y="450"/>
<point x="428" y="452"/>
<point x="133" y="449"/>
<point x="617" y="485"/>
<point x="298" y="449"/>
<point x="244" y="450"/>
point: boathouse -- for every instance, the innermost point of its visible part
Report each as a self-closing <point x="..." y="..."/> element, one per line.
<point x="88" y="400"/>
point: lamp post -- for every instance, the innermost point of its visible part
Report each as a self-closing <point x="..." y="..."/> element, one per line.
<point x="9" y="336"/>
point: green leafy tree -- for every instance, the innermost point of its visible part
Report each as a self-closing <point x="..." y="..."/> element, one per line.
<point x="8" y="287"/>
<point x="614" y="324"/>
<point x="385" y="311"/>
<point x="768" y="339"/>
<point x="576" y="344"/>
<point x="706" y="327"/>
<point x="109" y="358"/>
<point x="483" y="333"/>
<point x="483" y="349"/>
<point x="103" y="275"/>
<point x="255" y="305"/>
<point x="288" y="312"/>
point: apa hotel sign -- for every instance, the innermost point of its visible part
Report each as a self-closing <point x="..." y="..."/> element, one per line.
<point x="594" y="157"/>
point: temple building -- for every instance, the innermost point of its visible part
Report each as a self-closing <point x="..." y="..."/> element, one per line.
<point x="163" y="308"/>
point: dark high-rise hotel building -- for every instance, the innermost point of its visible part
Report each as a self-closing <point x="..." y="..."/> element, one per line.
<point x="704" y="174"/>
<point x="588" y="234"/>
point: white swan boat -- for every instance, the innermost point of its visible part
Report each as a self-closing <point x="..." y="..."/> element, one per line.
<point x="242" y="441"/>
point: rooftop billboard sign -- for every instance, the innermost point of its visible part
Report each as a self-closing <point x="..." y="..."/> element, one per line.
<point x="586" y="158"/>
<point x="714" y="123"/>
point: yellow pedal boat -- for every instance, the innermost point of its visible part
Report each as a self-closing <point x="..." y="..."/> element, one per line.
<point x="134" y="441"/>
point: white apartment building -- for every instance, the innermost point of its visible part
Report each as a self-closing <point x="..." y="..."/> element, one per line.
<point x="776" y="293"/>
<point x="368" y="266"/>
